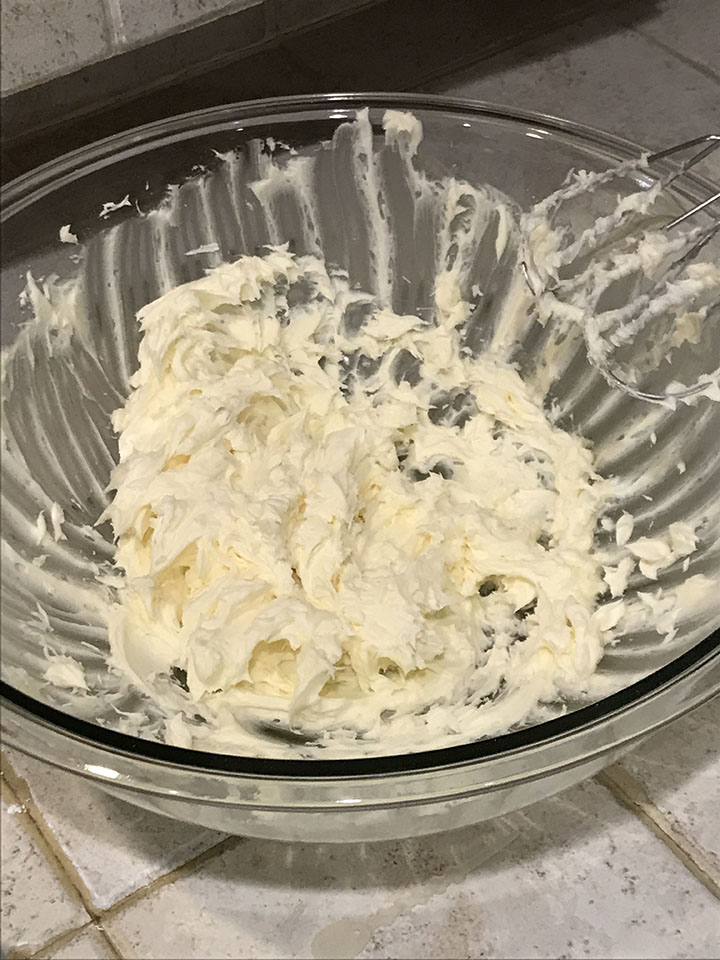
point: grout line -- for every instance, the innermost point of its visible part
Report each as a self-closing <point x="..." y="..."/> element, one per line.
<point x="110" y="944"/>
<point x="55" y="852"/>
<point x="270" y="44"/>
<point x="61" y="940"/>
<point x="20" y="789"/>
<point x="114" y="15"/>
<point x="113" y="948"/>
<point x="64" y="939"/>
<point x="633" y="796"/>
<point x="30" y="827"/>
<point x="465" y="63"/>
<point x="684" y="58"/>
<point x="185" y="869"/>
<point x="9" y="789"/>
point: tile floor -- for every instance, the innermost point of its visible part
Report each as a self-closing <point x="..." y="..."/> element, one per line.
<point x="624" y="81"/>
<point x="627" y="865"/>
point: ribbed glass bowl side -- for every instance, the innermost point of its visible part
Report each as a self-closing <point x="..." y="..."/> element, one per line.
<point x="134" y="254"/>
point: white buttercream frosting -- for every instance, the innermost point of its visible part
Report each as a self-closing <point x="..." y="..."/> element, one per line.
<point x="329" y="516"/>
<point x="358" y="529"/>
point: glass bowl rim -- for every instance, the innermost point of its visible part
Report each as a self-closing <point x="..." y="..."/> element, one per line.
<point x="21" y="191"/>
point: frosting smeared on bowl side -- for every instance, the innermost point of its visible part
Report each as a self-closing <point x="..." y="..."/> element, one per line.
<point x="380" y="481"/>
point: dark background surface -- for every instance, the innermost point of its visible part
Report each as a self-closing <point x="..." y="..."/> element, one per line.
<point x="629" y="66"/>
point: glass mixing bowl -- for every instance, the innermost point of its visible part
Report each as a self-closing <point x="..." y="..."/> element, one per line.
<point x="59" y="429"/>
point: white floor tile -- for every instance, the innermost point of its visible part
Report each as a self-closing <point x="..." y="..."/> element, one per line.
<point x="622" y="83"/>
<point x="35" y="904"/>
<point x="114" y="846"/>
<point x="574" y="876"/>
<point x="88" y="945"/>
<point x="680" y="770"/>
<point x="692" y="27"/>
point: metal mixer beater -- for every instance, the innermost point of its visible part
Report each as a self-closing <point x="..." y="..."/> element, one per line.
<point x="648" y="303"/>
